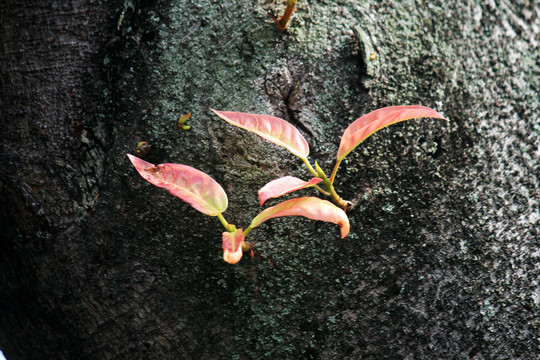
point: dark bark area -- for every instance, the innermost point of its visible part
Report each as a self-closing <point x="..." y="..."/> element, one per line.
<point x="51" y="53"/>
<point x="442" y="258"/>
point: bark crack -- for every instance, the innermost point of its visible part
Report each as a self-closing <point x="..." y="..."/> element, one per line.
<point x="286" y="93"/>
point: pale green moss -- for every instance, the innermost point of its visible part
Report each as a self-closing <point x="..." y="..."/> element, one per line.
<point x="313" y="294"/>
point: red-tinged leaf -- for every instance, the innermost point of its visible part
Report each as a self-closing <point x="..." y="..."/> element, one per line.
<point x="191" y="185"/>
<point x="284" y="185"/>
<point x="310" y="207"/>
<point x="270" y="128"/>
<point x="232" y="246"/>
<point x="368" y="124"/>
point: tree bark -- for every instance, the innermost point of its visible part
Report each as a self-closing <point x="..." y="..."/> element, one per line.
<point x="441" y="262"/>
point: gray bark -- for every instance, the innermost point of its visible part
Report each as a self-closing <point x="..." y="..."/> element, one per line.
<point x="442" y="257"/>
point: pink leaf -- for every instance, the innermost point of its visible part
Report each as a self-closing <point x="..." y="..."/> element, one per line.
<point x="270" y="128"/>
<point x="284" y="186"/>
<point x="310" y="207"/>
<point x="191" y="185"/>
<point x="232" y="246"/>
<point x="368" y="124"/>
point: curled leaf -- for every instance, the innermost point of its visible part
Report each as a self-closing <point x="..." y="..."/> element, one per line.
<point x="284" y="185"/>
<point x="232" y="249"/>
<point x="310" y="207"/>
<point x="368" y="124"/>
<point x="271" y="128"/>
<point x="191" y="185"/>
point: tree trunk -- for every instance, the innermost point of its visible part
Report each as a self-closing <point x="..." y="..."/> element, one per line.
<point x="95" y="263"/>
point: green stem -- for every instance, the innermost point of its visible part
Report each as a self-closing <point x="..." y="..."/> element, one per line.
<point x="336" y="198"/>
<point x="321" y="190"/>
<point x="247" y="231"/>
<point x="310" y="168"/>
<point x="334" y="172"/>
<point x="329" y="185"/>
<point x="228" y="227"/>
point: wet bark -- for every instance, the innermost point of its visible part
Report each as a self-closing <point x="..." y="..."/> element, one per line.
<point x="441" y="259"/>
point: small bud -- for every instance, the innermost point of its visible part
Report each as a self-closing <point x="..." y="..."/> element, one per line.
<point x="320" y="171"/>
<point x="182" y="120"/>
<point x="142" y="148"/>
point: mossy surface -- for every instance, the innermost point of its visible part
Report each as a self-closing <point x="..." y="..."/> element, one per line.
<point x="440" y="262"/>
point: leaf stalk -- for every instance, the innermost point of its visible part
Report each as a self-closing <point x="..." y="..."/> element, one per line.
<point x="334" y="171"/>
<point x="228" y="227"/>
<point x="247" y="231"/>
<point x="310" y="168"/>
<point x="331" y="191"/>
<point x="321" y="190"/>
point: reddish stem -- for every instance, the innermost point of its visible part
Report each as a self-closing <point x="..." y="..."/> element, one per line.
<point x="283" y="22"/>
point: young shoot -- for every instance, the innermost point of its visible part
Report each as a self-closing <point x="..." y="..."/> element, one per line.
<point x="205" y="195"/>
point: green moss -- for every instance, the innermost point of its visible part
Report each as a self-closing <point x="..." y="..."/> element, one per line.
<point x="312" y="293"/>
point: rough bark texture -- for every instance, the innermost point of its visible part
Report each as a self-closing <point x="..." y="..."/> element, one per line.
<point x="442" y="259"/>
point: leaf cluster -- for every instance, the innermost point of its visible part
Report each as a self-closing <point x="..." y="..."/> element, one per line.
<point x="203" y="193"/>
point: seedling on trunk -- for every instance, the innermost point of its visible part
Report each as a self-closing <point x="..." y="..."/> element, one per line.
<point x="207" y="196"/>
